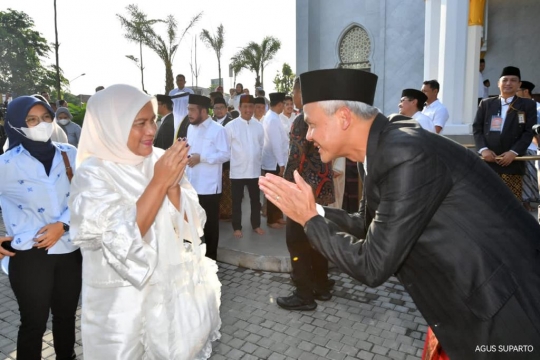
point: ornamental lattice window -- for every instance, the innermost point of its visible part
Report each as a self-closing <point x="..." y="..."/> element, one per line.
<point x="354" y="49"/>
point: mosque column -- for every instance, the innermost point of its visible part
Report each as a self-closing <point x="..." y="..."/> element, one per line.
<point x="452" y="63"/>
<point x="474" y="43"/>
<point x="431" y="43"/>
<point x="303" y="21"/>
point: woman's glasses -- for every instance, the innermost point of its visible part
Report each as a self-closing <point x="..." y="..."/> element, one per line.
<point x="34" y="120"/>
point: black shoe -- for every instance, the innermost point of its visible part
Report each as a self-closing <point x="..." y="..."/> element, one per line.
<point x="295" y="302"/>
<point x="324" y="295"/>
<point x="330" y="284"/>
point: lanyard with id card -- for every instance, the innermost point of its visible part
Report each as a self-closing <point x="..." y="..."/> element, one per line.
<point x="496" y="123"/>
<point x="521" y="117"/>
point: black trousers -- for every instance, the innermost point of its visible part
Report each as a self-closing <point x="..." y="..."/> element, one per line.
<point x="44" y="283"/>
<point x="309" y="267"/>
<point x="210" y="204"/>
<point x="237" y="190"/>
<point x="273" y="214"/>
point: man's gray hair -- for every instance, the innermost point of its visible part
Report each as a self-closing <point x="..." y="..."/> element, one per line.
<point x="360" y="109"/>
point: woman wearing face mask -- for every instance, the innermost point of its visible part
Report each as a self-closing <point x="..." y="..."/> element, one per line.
<point x="44" y="266"/>
<point x="147" y="293"/>
<point x="72" y="130"/>
<point x="58" y="135"/>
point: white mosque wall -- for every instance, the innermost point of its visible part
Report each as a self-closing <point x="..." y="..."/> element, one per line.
<point x="513" y="38"/>
<point x="396" y="31"/>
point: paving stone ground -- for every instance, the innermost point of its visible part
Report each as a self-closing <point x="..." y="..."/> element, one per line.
<point x="357" y="323"/>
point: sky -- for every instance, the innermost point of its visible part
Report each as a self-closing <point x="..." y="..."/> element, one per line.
<point x="92" y="41"/>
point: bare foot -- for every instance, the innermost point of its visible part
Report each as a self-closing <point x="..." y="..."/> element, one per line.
<point x="275" y="226"/>
<point x="238" y="234"/>
<point x="259" y="231"/>
<point x="282" y="221"/>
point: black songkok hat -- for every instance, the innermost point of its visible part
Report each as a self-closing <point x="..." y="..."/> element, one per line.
<point x="260" y="100"/>
<point x="527" y="85"/>
<point x="220" y="100"/>
<point x="216" y="94"/>
<point x="247" y="99"/>
<point x="338" y="84"/>
<point x="415" y="94"/>
<point x="199" y="100"/>
<point x="277" y="97"/>
<point x="163" y="98"/>
<point x="511" y="71"/>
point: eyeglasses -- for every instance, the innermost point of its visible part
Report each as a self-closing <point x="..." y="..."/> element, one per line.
<point x="34" y="120"/>
<point x="219" y="107"/>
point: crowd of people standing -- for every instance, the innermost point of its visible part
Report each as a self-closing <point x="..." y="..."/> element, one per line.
<point x="126" y="215"/>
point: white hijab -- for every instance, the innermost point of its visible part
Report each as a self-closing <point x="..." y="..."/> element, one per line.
<point x="107" y="124"/>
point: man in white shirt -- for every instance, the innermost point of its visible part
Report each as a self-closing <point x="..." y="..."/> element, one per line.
<point x="180" y="104"/>
<point x="411" y="104"/>
<point x="530" y="179"/>
<point x="246" y="138"/>
<point x="287" y="116"/>
<point x="483" y="85"/>
<point x="222" y="117"/>
<point x="234" y="101"/>
<point x="274" y="152"/>
<point x="259" y="109"/>
<point x="260" y="93"/>
<point x="434" y="108"/>
<point x="209" y="150"/>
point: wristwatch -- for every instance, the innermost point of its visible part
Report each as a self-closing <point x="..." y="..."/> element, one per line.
<point x="66" y="227"/>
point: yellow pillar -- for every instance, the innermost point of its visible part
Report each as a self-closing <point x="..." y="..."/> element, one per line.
<point x="476" y="12"/>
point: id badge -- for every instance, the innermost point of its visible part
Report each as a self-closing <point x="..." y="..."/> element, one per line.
<point x="521" y="117"/>
<point x="496" y="123"/>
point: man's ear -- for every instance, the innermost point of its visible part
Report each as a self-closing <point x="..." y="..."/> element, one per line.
<point x="345" y="117"/>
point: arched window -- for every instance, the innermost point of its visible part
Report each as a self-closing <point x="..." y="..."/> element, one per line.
<point x="354" y="49"/>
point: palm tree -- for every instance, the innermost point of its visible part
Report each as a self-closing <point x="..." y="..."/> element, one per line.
<point x="215" y="42"/>
<point x="166" y="48"/>
<point x="137" y="27"/>
<point x="255" y="57"/>
<point x="237" y="64"/>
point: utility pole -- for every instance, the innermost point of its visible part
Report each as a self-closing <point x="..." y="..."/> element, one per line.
<point x="56" y="46"/>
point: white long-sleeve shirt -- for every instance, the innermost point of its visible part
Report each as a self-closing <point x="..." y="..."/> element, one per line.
<point x="483" y="91"/>
<point x="424" y="121"/>
<point x="30" y="199"/>
<point x="209" y="140"/>
<point x="275" y="142"/>
<point x="235" y="101"/>
<point x="287" y="121"/>
<point x="179" y="106"/>
<point x="437" y="112"/>
<point x="246" y="138"/>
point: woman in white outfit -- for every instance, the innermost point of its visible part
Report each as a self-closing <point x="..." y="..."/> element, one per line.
<point x="148" y="290"/>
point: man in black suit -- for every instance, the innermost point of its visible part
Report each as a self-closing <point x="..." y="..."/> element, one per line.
<point x="223" y="118"/>
<point x="433" y="213"/>
<point x="503" y="130"/>
<point x="165" y="135"/>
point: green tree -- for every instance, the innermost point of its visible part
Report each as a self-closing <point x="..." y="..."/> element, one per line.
<point x="237" y="64"/>
<point x="21" y="51"/>
<point x="78" y="112"/>
<point x="284" y="82"/>
<point x="166" y="47"/>
<point x="215" y="42"/>
<point x="137" y="26"/>
<point x="72" y="99"/>
<point x="255" y="57"/>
